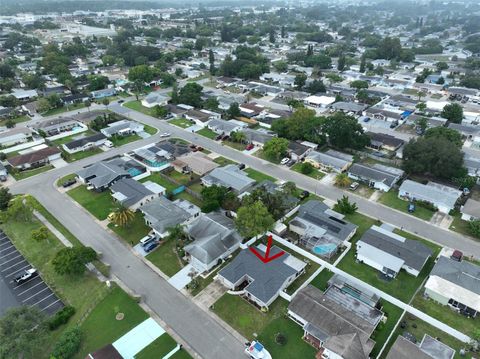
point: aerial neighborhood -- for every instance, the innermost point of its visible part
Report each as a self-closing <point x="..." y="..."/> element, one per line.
<point x="239" y="180"/>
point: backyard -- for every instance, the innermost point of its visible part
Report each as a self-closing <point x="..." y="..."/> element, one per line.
<point x="158" y="179"/>
<point x="391" y="199"/>
<point x="383" y="330"/>
<point x="73" y="137"/>
<point x="99" y="204"/>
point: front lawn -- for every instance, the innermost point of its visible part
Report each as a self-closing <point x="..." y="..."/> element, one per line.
<point x="18" y="119"/>
<point x="160" y="347"/>
<point x="181" y="122"/>
<point x="99" y="204"/>
<point x="261" y="154"/>
<point x="83" y="154"/>
<point x="222" y="161"/>
<point x="258" y="176"/>
<point x="102" y="328"/>
<point x="235" y="145"/>
<point x="137" y="106"/>
<point x="316" y="174"/>
<point x="459" y="225"/>
<point x="20" y="175"/>
<point x="418" y="328"/>
<point x="73" y="137"/>
<point x="134" y="231"/>
<point x="391" y="199"/>
<point x="149" y="129"/>
<point x="56" y="111"/>
<point x="63" y="179"/>
<point x="123" y="140"/>
<point x="404" y="285"/>
<point x="208" y="133"/>
<point x="166" y="258"/>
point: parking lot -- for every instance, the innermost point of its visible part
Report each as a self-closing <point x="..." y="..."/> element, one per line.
<point x="34" y="292"/>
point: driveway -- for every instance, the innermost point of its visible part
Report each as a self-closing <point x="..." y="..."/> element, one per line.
<point x="181" y="278"/>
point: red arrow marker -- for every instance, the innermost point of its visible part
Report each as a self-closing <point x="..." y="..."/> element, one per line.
<point x="267" y="257"/>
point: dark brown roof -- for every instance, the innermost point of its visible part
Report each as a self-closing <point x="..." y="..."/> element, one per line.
<point x="33" y="157"/>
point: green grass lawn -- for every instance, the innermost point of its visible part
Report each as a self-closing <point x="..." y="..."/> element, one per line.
<point x="123" y="140"/>
<point x="261" y="154"/>
<point x="391" y="199"/>
<point x="70" y="138"/>
<point x="258" y="176"/>
<point x="404" y="285"/>
<point x="155" y="177"/>
<point x="182" y="178"/>
<point x="134" y="231"/>
<point x="206" y="132"/>
<point x="321" y="280"/>
<point x="137" y="106"/>
<point x="19" y="175"/>
<point x="188" y="197"/>
<point x="158" y="348"/>
<point x="445" y="314"/>
<point x="65" y="178"/>
<point x="83" y="154"/>
<point x="165" y="258"/>
<point x="18" y="119"/>
<point x="181" y="122"/>
<point x="419" y="328"/>
<point x="56" y="111"/>
<point x="383" y="330"/>
<point x="149" y="129"/>
<point x="81" y="292"/>
<point x="196" y="187"/>
<point x="222" y="161"/>
<point x="102" y="328"/>
<point x="235" y="145"/>
<point x="316" y="174"/>
<point x="99" y="204"/>
<point x="459" y="225"/>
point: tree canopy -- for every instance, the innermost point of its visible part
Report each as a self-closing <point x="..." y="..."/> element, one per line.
<point x="253" y="219"/>
<point x="453" y="112"/>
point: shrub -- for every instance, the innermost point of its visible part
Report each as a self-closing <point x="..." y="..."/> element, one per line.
<point x="61" y="317"/>
<point x="280" y="339"/>
<point x="426" y="205"/>
<point x="306" y="168"/>
<point x="68" y="344"/>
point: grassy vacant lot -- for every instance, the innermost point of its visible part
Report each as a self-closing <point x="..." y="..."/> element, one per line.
<point x="165" y="258"/>
<point x="322" y="279"/>
<point x="134" y="231"/>
<point x="391" y="199"/>
<point x="248" y="320"/>
<point x="404" y="285"/>
<point x="123" y="140"/>
<point x="258" y="176"/>
<point x="81" y="292"/>
<point x="19" y="175"/>
<point x="99" y="204"/>
<point x="102" y="328"/>
<point x="419" y="328"/>
<point x="222" y="161"/>
<point x="206" y="132"/>
<point x="137" y="106"/>
<point x="181" y="122"/>
<point x="445" y="314"/>
<point x="316" y="174"/>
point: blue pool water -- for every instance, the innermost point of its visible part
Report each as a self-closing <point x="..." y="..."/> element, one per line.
<point x="134" y="171"/>
<point x="324" y="248"/>
<point x="156" y="163"/>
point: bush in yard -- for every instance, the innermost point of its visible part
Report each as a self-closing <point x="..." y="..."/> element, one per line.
<point x="280" y="339"/>
<point x="61" y="317"/>
<point x="40" y="234"/>
<point x="427" y="205"/>
<point x="306" y="168"/>
<point x="474" y="227"/>
<point x="72" y="260"/>
<point x="344" y="206"/>
<point x="68" y="344"/>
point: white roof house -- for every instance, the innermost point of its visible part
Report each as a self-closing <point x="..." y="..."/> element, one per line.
<point x="319" y="101"/>
<point x="155" y="98"/>
<point x="442" y="197"/>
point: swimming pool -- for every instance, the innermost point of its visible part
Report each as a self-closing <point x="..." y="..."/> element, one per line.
<point x="134" y="171"/>
<point x="324" y="249"/>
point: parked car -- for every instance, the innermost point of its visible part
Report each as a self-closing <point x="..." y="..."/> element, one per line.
<point x="108" y="144"/>
<point x="146" y="240"/>
<point x="411" y="207"/>
<point x="291" y="163"/>
<point x="150" y="246"/>
<point x="249" y="147"/>
<point x="354" y="186"/>
<point x="120" y="101"/>
<point x="218" y="138"/>
<point x="69" y="183"/>
<point x="199" y="148"/>
<point x="284" y="161"/>
<point x="241" y="166"/>
<point x="304" y="194"/>
<point x="366" y="119"/>
<point x="3" y="178"/>
<point x="25" y="276"/>
<point x="165" y="134"/>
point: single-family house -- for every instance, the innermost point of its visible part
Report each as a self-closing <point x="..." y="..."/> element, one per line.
<point x="155" y="98"/>
<point x="195" y="162"/>
<point x="330" y="160"/>
<point x="336" y="322"/>
<point x="297" y="151"/>
<point x="389" y="252"/>
<point x="58" y="125"/>
<point x="102" y="175"/>
<point x="201" y="117"/>
<point x="85" y="143"/>
<point x="74" y="98"/>
<point x="161" y="214"/>
<point x="428" y="348"/>
<point x="122" y="128"/>
<point x="383" y="141"/>
<point x="132" y="194"/>
<point x="319" y="101"/>
<point x="229" y="176"/>
<point x="258" y="137"/>
<point x="377" y="176"/>
<point x="214" y="239"/>
<point x="353" y="108"/>
<point x="99" y="94"/>
<point x="440" y="196"/>
<point x="35" y="159"/>
<point x="261" y="283"/>
<point x="21" y="94"/>
<point x="223" y="127"/>
<point x="15" y="136"/>
<point x="470" y="210"/>
<point x="321" y="230"/>
<point x="456" y="284"/>
<point x="467" y="131"/>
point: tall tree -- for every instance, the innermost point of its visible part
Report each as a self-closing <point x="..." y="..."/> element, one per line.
<point x="275" y="148"/>
<point x="211" y="60"/>
<point x="453" y="112"/>
<point x="271" y="35"/>
<point x="342" y="61"/>
<point x="344" y="206"/>
<point x="253" y="219"/>
<point x="300" y="80"/>
<point x="345" y="132"/>
<point x="122" y="216"/>
<point x="5" y="197"/>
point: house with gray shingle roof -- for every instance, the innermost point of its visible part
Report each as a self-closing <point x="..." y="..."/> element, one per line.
<point x="122" y="128"/>
<point x="389" y="252"/>
<point x="229" y="176"/>
<point x="377" y="176"/>
<point x="456" y="284"/>
<point x="214" y="239"/>
<point x="261" y="283"/>
<point x="328" y="161"/>
<point x="131" y="194"/>
<point x="85" y="143"/>
<point x="102" y="175"/>
<point x="442" y="197"/>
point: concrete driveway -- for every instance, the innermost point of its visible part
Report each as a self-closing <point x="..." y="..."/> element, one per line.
<point x="181" y="278"/>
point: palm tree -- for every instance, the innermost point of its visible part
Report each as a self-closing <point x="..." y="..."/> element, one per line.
<point x="342" y="180"/>
<point x="122" y="216"/>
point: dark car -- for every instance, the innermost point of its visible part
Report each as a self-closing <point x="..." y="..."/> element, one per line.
<point x="411" y="207"/>
<point x="3" y="178"/>
<point x="366" y="119"/>
<point x="219" y="137"/>
<point x="150" y="246"/>
<point x="121" y="101"/>
<point x="69" y="183"/>
<point x="241" y="166"/>
<point x="304" y="194"/>
<point x="25" y="276"/>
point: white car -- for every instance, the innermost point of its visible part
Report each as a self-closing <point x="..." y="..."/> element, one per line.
<point x="25" y="276"/>
<point x="165" y="134"/>
<point x="284" y="161"/>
